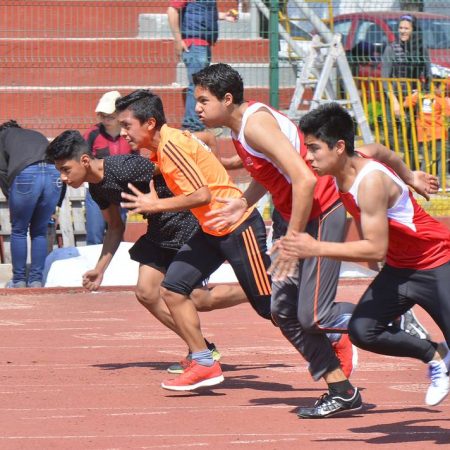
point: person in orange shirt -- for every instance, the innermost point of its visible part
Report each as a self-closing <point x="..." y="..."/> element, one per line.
<point x="432" y="110"/>
<point x="199" y="183"/>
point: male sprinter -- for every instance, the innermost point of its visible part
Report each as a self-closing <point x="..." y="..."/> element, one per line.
<point x="394" y="227"/>
<point x="154" y="251"/>
<point x="196" y="178"/>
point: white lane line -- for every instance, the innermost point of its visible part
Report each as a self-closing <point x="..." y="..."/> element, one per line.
<point x="258" y="436"/>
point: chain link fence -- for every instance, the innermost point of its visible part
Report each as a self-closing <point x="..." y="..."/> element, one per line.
<point x="57" y="57"/>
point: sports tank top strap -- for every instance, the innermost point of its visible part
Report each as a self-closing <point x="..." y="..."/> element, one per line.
<point x="286" y="125"/>
<point x="251" y="108"/>
<point x="372" y="166"/>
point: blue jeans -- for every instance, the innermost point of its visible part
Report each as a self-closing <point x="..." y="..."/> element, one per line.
<point x="197" y="58"/>
<point x="95" y="224"/>
<point x="33" y="197"/>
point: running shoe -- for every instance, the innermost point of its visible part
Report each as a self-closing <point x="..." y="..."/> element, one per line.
<point x="194" y="377"/>
<point x="347" y="354"/>
<point x="438" y="389"/>
<point x="179" y="367"/>
<point x="446" y="358"/>
<point x="331" y="404"/>
<point x="409" y="323"/>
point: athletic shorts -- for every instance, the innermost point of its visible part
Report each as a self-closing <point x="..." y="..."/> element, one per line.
<point x="244" y="249"/>
<point x="147" y="253"/>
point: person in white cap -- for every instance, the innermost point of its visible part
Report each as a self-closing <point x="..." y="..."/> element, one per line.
<point x="103" y="140"/>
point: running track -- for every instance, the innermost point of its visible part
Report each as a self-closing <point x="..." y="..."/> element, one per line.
<point x="82" y="371"/>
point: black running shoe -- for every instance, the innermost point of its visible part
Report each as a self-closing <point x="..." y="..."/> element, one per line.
<point x="331" y="404"/>
<point x="411" y="325"/>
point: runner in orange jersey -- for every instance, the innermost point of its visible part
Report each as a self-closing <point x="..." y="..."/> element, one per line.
<point x="197" y="179"/>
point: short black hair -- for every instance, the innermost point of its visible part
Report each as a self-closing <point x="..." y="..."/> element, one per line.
<point x="68" y="145"/>
<point x="9" y="124"/>
<point x="330" y="123"/>
<point x="221" y="79"/>
<point x="144" y="104"/>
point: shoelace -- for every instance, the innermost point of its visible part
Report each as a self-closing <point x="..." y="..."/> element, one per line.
<point x="322" y="399"/>
<point x="435" y="373"/>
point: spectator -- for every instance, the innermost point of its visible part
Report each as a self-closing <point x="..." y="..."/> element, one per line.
<point x="103" y="140"/>
<point x="194" y="25"/>
<point x="406" y="58"/>
<point x="32" y="187"/>
<point x="432" y="110"/>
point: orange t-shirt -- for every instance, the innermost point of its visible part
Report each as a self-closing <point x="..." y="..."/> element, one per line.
<point x="429" y="116"/>
<point x="187" y="164"/>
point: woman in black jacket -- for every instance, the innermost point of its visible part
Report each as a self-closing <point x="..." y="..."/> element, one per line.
<point x="407" y="57"/>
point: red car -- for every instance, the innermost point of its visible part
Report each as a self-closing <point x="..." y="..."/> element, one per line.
<point x="365" y="35"/>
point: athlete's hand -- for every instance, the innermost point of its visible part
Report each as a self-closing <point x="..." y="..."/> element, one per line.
<point x="424" y="183"/>
<point x="228" y="215"/>
<point x="299" y="245"/>
<point x="282" y="266"/>
<point x="141" y="203"/>
<point x="92" y="280"/>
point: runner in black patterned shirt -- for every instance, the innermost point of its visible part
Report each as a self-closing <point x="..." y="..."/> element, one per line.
<point x="166" y="232"/>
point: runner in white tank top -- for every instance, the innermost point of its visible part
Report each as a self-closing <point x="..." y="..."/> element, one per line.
<point x="395" y="227"/>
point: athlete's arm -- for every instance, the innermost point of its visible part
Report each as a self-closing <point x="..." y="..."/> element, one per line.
<point x="264" y="135"/>
<point x="150" y="203"/>
<point x="113" y="237"/>
<point x="423" y="183"/>
<point x="234" y="208"/>
<point x="374" y="196"/>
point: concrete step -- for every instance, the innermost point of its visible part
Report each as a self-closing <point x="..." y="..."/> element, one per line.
<point x="86" y="18"/>
<point x="79" y="18"/>
<point x="57" y="52"/>
<point x="81" y="62"/>
<point x="52" y="110"/>
<point x="156" y="26"/>
<point x="253" y="74"/>
<point x="139" y="74"/>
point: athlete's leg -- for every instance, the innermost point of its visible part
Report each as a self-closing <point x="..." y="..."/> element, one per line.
<point x="318" y="312"/>
<point x="194" y="262"/>
<point x="388" y="297"/>
<point x="390" y="294"/>
<point x="245" y="249"/>
<point x="149" y="295"/>
<point x="314" y="347"/>
<point x="219" y="297"/>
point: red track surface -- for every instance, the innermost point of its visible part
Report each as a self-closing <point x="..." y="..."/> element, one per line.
<point x="82" y="371"/>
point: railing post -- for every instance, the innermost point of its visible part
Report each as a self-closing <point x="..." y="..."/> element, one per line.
<point x="274" y="66"/>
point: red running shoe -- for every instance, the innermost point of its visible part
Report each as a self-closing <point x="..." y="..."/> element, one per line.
<point x="195" y="376"/>
<point x="347" y="354"/>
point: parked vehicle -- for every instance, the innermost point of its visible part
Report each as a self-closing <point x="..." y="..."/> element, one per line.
<point x="365" y="35"/>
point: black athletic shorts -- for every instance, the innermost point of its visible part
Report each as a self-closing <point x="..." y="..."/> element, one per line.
<point x="244" y="249"/>
<point x="146" y="252"/>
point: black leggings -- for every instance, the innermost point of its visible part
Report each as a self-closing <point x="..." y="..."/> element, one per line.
<point x="391" y="294"/>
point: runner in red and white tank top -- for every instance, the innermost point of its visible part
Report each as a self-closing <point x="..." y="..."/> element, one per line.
<point x="416" y="240"/>
<point x="269" y="144"/>
<point x="394" y="228"/>
<point x="264" y="170"/>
